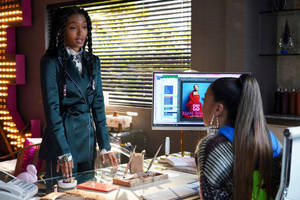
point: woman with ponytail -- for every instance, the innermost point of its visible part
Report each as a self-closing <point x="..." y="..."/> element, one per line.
<point x="72" y="97"/>
<point x="242" y="160"/>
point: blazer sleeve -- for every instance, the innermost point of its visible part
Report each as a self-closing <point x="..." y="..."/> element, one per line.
<point x="98" y="110"/>
<point x="50" y="92"/>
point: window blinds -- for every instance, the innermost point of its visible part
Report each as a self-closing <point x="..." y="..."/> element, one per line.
<point x="135" y="38"/>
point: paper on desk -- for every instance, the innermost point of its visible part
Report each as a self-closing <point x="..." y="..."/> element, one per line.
<point x="172" y="193"/>
<point x="172" y="174"/>
<point x="186" y="161"/>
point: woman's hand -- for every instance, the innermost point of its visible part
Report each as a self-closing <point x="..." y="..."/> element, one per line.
<point x="66" y="168"/>
<point x="112" y="159"/>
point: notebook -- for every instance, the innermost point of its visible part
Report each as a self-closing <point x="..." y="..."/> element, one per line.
<point x="93" y="185"/>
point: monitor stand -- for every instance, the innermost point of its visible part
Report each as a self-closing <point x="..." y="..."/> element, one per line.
<point x="182" y="141"/>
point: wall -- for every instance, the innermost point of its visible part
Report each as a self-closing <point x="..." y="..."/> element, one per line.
<point x="224" y="38"/>
<point x="288" y="72"/>
<point x="208" y="35"/>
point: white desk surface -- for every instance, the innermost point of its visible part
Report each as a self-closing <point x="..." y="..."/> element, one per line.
<point x="133" y="193"/>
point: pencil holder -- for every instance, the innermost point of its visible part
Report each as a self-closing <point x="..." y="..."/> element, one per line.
<point x="137" y="163"/>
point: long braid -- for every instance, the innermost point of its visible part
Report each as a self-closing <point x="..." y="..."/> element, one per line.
<point x="52" y="27"/>
<point x="61" y="45"/>
<point x="89" y="43"/>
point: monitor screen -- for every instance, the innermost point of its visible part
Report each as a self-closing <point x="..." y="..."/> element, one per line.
<point x="178" y="99"/>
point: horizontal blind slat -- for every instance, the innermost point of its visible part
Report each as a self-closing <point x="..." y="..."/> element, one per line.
<point x="142" y="70"/>
<point x="130" y="94"/>
<point x="129" y="24"/>
<point x="149" y="57"/>
<point x="125" y="82"/>
<point x="174" y="35"/>
<point x="145" y="46"/>
<point x="126" y="89"/>
<point x="137" y="41"/>
<point x="137" y="33"/>
<point x="98" y="53"/>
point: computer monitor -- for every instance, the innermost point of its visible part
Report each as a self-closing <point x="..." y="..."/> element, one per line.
<point x="178" y="99"/>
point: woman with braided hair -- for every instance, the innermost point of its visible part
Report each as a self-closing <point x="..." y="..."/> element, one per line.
<point x="242" y="160"/>
<point x="72" y="97"/>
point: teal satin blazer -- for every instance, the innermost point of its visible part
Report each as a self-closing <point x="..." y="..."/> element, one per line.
<point x="74" y="109"/>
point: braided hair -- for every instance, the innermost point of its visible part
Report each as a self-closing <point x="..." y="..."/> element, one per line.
<point x="58" y="18"/>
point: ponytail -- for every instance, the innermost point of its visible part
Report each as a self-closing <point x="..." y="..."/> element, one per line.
<point x="252" y="144"/>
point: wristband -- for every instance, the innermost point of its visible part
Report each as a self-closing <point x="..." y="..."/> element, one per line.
<point x="104" y="151"/>
<point x="65" y="158"/>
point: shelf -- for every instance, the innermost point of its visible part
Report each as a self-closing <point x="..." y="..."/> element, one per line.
<point x="279" y="11"/>
<point x="277" y="54"/>
<point x="285" y="117"/>
<point x="290" y="120"/>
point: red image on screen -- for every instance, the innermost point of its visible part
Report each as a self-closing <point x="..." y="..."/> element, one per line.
<point x="193" y="106"/>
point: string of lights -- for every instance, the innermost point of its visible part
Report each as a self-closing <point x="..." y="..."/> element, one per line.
<point x="10" y="15"/>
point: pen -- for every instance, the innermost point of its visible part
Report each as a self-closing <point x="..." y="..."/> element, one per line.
<point x="130" y="159"/>
<point x="153" y="159"/>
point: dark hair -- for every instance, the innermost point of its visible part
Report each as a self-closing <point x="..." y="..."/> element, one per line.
<point x="58" y="18"/>
<point x="228" y="92"/>
<point x="252" y="144"/>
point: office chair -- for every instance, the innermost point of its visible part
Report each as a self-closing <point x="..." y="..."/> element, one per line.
<point x="289" y="188"/>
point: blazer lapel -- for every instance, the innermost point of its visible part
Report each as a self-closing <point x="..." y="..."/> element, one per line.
<point x="85" y="79"/>
<point x="85" y="71"/>
<point x="73" y="71"/>
<point x="80" y="82"/>
<point x="70" y="69"/>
